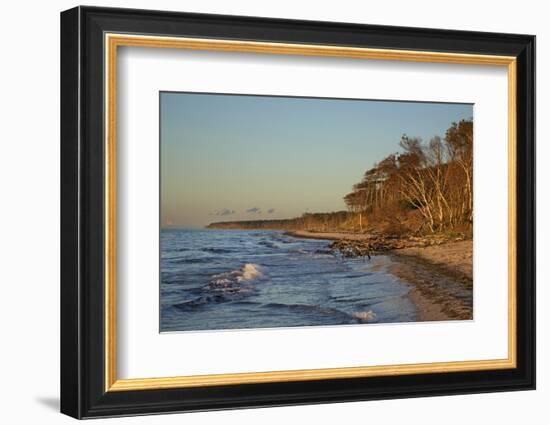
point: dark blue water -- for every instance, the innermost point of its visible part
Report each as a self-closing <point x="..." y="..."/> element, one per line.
<point x="235" y="279"/>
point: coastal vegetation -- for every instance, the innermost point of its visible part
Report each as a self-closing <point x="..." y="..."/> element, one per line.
<point x="424" y="189"/>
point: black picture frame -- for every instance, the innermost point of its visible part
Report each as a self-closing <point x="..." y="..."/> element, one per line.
<point x="83" y="392"/>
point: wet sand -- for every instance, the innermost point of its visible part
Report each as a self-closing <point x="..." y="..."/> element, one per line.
<point x="442" y="279"/>
<point x="454" y="257"/>
<point x="438" y="293"/>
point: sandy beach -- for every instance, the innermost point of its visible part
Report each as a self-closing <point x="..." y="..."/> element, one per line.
<point x="440" y="274"/>
<point x="454" y="257"/>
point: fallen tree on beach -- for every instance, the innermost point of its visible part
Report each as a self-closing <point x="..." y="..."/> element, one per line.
<point x="374" y="244"/>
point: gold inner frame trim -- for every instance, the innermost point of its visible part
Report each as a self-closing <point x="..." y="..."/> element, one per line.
<point x="113" y="41"/>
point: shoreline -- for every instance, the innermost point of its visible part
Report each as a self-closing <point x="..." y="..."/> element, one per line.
<point x="438" y="271"/>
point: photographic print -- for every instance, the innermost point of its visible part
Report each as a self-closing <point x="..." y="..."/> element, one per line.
<point x="248" y="186"/>
<point x="284" y="211"/>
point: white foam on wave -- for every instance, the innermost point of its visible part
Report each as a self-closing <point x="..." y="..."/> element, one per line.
<point x="235" y="280"/>
<point x="364" y="316"/>
<point x="250" y="271"/>
<point x="219" y="282"/>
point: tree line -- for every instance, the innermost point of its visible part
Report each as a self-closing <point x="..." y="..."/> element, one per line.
<point x="307" y="221"/>
<point x="426" y="188"/>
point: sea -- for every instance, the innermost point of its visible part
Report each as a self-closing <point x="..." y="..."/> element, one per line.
<point x="242" y="279"/>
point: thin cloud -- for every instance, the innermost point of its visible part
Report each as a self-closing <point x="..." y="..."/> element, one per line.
<point x="254" y="210"/>
<point x="271" y="210"/>
<point x="225" y="211"/>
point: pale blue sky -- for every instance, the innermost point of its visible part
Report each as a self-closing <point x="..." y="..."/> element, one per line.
<point x="233" y="157"/>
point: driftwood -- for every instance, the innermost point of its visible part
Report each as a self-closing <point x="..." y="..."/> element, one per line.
<point x="351" y="248"/>
<point x="379" y="243"/>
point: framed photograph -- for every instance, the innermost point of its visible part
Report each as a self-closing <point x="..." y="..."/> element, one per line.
<point x="261" y="212"/>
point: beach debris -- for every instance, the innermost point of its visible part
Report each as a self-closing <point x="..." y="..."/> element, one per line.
<point x="376" y="243"/>
<point x="352" y="249"/>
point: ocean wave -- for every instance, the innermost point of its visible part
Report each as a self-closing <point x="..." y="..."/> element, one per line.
<point x="235" y="280"/>
<point x="199" y="302"/>
<point x="218" y="250"/>
<point x="251" y="271"/>
<point x="195" y="260"/>
<point x="282" y="239"/>
<point x="364" y="316"/>
<point x="226" y="286"/>
<point x="325" y="251"/>
<point x="180" y="249"/>
<point x="300" y="251"/>
<point x="309" y="309"/>
<point x="268" y="244"/>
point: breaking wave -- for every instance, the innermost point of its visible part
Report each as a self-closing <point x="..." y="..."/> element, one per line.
<point x="226" y="286"/>
<point x="247" y="272"/>
<point x="364" y="316"/>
